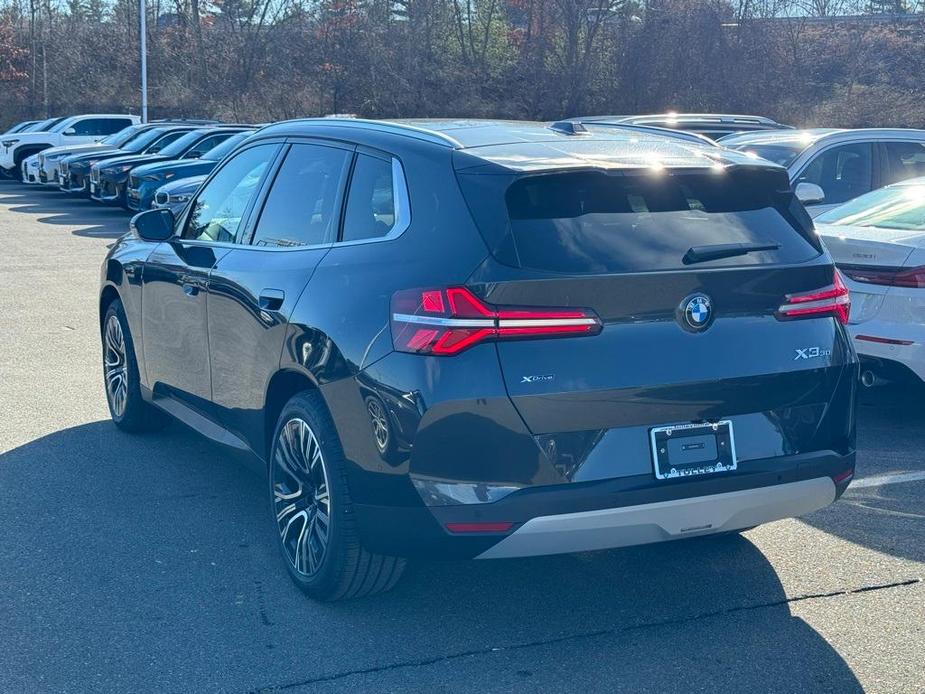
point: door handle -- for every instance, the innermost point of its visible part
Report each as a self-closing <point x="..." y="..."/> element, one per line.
<point x="272" y="299"/>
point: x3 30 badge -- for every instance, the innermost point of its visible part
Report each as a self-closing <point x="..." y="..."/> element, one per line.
<point x="811" y="353"/>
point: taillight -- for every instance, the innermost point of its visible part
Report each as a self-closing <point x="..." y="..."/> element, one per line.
<point x="890" y="276"/>
<point x="828" y="301"/>
<point x="447" y="321"/>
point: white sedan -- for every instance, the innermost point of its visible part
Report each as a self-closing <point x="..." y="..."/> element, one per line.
<point x="878" y="243"/>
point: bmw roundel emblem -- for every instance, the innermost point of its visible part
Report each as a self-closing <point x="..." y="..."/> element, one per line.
<point x="697" y="311"/>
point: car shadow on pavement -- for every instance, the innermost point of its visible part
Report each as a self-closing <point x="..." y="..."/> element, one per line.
<point x="151" y="559"/>
<point x="90" y="218"/>
<point x="889" y="518"/>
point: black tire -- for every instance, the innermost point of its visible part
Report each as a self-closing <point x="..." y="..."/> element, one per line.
<point x="344" y="569"/>
<point x="134" y="415"/>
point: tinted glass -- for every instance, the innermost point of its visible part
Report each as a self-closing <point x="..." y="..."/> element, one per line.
<point x="842" y="172"/>
<point x="178" y="147"/>
<point x="222" y="150"/>
<point x="93" y="127"/>
<point x="162" y="142"/>
<point x="303" y="203"/>
<point x="779" y="154"/>
<point x="220" y="206"/>
<point x="903" y="160"/>
<point x="139" y="142"/>
<point x="902" y="207"/>
<point x="371" y="201"/>
<point x="207" y="143"/>
<point x="117" y="139"/>
<point x="592" y="223"/>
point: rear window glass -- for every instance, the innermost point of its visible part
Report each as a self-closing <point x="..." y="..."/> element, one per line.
<point x="594" y="222"/>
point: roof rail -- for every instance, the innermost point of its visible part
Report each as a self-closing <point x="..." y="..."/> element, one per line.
<point x="395" y="128"/>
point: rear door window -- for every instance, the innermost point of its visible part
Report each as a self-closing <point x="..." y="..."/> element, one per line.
<point x="843" y="172"/>
<point x="92" y="127"/>
<point x="902" y="160"/>
<point x="598" y="223"/>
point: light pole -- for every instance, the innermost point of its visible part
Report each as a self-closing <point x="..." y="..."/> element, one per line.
<point x="143" y="40"/>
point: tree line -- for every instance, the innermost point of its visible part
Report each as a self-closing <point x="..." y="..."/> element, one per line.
<point x="805" y="62"/>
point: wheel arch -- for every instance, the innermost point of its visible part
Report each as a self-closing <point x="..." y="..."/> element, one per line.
<point x="283" y="385"/>
<point x="108" y="295"/>
<point x="27" y="150"/>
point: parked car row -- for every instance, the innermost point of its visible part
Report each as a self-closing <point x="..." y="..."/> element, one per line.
<point x="501" y="339"/>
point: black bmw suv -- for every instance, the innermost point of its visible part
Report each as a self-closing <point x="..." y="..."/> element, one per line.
<point x="489" y="339"/>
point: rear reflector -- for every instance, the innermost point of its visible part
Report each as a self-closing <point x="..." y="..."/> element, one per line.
<point x="828" y="301"/>
<point x="479" y="527"/>
<point x="447" y="321"/>
<point x="883" y="340"/>
<point x="842" y="476"/>
<point x="913" y="278"/>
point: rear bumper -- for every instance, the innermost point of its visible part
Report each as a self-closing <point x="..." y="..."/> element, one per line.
<point x="902" y="343"/>
<point x="618" y="512"/>
<point x="666" y="520"/>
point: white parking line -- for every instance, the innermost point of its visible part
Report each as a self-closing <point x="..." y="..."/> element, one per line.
<point x="882" y="480"/>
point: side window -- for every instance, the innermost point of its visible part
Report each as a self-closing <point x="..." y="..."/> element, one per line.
<point x="903" y="160"/>
<point x="370" y="210"/>
<point x="158" y="145"/>
<point x="94" y="127"/>
<point x="219" y="207"/>
<point x="842" y="172"/>
<point x="205" y="144"/>
<point x="304" y="200"/>
<point x="108" y="126"/>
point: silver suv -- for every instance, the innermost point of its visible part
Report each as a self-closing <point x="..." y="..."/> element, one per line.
<point x="829" y="167"/>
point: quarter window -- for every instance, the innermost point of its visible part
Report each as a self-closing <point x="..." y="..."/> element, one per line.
<point x="219" y="208"/>
<point x="842" y="172"/>
<point x="370" y="210"/>
<point x="304" y="200"/>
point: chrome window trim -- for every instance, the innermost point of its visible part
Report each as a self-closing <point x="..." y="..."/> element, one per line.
<point x="402" y="201"/>
<point x="402" y="220"/>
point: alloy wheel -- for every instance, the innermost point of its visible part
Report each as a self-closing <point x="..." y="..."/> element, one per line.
<point x="380" y="423"/>
<point x="115" y="366"/>
<point x="301" y="498"/>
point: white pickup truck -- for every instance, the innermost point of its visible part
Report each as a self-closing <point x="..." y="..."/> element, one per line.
<point x="90" y="127"/>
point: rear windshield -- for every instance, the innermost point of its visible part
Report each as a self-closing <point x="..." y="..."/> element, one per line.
<point x="595" y="223"/>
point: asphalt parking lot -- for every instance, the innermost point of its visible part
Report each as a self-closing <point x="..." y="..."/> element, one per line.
<point x="147" y="564"/>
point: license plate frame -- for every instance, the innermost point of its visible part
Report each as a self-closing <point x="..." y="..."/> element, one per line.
<point x="684" y="450"/>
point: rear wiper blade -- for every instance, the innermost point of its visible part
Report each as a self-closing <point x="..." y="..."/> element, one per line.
<point x="700" y="254"/>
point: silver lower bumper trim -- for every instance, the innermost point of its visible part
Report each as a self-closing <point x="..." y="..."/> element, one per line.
<point x="663" y="520"/>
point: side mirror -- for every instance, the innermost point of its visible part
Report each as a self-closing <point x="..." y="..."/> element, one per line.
<point x="70" y="131"/>
<point x="809" y="193"/>
<point x="153" y="225"/>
